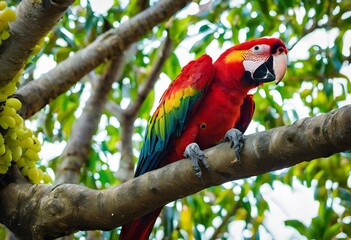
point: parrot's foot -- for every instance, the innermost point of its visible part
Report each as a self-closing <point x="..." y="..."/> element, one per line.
<point x="195" y="154"/>
<point x="237" y="141"/>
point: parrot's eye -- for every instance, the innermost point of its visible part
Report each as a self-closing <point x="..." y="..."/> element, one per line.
<point x="259" y="49"/>
<point x="280" y="50"/>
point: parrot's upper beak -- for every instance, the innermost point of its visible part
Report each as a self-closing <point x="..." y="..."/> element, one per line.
<point x="273" y="69"/>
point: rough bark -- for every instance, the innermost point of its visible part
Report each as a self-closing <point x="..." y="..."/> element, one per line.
<point x="44" y="211"/>
<point x="34" y="20"/>
<point x="39" y="93"/>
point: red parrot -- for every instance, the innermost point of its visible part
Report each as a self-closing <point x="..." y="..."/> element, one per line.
<point x="200" y="106"/>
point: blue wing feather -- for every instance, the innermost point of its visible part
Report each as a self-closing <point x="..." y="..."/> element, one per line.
<point x="161" y="131"/>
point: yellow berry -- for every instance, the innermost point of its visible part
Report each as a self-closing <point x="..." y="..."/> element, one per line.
<point x="10" y="122"/>
<point x="4" y="124"/>
<point x="47" y="178"/>
<point x="21" y="133"/>
<point x="9" y="89"/>
<point x="7" y="156"/>
<point x="31" y="154"/>
<point x="18" y="119"/>
<point x="36" y="144"/>
<point x="8" y="15"/>
<point x="3" y="169"/>
<point x="2" y="149"/>
<point x="41" y="174"/>
<point x="8" y="111"/>
<point x="33" y="173"/>
<point x="35" y="181"/>
<point x="11" y="134"/>
<point x="29" y="133"/>
<point x="3" y="26"/>
<point x="26" y="143"/>
<point x="12" y="143"/>
<point x="3" y="97"/>
<point x="14" y="103"/>
<point x="3" y="5"/>
<point x="16" y="152"/>
<point x="30" y="163"/>
<point x="24" y="170"/>
<point x="21" y="162"/>
<point x="5" y="35"/>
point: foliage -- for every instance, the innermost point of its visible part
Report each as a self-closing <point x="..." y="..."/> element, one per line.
<point x="316" y="82"/>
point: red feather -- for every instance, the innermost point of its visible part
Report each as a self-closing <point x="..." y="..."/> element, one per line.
<point x="221" y="102"/>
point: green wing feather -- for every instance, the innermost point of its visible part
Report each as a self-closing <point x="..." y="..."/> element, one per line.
<point x="176" y="105"/>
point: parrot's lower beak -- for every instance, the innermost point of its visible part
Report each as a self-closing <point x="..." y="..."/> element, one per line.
<point x="273" y="69"/>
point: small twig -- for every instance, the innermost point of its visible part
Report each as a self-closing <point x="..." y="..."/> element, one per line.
<point x="305" y="32"/>
<point x="225" y="222"/>
<point x="133" y="109"/>
<point x="115" y="109"/>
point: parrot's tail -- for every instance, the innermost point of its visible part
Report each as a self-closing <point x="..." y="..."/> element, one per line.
<point x="140" y="228"/>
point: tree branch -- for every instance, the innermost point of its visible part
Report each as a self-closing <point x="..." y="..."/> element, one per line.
<point x="127" y="117"/>
<point x="44" y="211"/>
<point x="133" y="109"/>
<point x="34" y="20"/>
<point x="57" y="81"/>
<point x="224" y="222"/>
<point x="77" y="149"/>
<point x="115" y="109"/>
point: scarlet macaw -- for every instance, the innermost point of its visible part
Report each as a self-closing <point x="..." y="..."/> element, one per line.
<point x="201" y="105"/>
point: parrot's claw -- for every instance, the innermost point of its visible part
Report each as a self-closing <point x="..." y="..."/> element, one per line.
<point x="195" y="154"/>
<point x="237" y="141"/>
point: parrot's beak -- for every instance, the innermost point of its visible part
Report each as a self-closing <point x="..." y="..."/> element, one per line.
<point x="273" y="69"/>
<point x="280" y="62"/>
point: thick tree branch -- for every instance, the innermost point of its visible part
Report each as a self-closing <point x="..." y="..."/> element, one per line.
<point x="57" y="81"/>
<point x="34" y="20"/>
<point x="77" y="150"/>
<point x="43" y="211"/>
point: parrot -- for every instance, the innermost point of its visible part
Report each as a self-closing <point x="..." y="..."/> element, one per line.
<point x="208" y="103"/>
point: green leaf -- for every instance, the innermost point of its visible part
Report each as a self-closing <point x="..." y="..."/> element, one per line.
<point x="172" y="66"/>
<point x="345" y="196"/>
<point x="178" y="30"/>
<point x="62" y="53"/>
<point x="332" y="231"/>
<point x="299" y="226"/>
<point x="200" y="46"/>
<point x="147" y="105"/>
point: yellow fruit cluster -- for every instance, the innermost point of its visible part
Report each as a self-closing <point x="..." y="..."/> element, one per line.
<point x="6" y="15"/>
<point x="17" y="143"/>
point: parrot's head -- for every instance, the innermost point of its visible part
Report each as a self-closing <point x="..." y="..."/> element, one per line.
<point x="257" y="61"/>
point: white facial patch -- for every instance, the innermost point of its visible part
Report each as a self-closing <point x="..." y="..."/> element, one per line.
<point x="256" y="56"/>
<point x="252" y="65"/>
